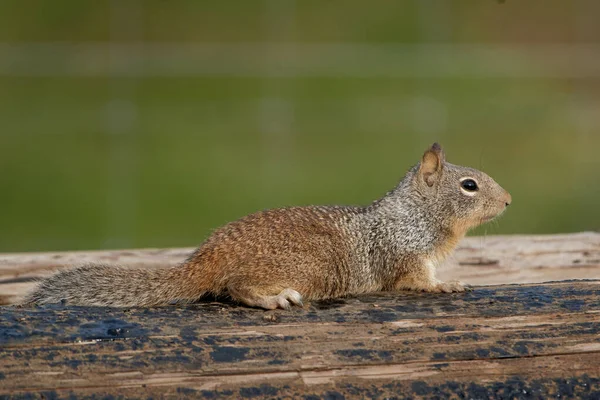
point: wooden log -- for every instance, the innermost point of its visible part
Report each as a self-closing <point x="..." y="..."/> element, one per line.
<point x="485" y="260"/>
<point x="513" y="341"/>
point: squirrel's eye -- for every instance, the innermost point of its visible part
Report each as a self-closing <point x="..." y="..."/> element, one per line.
<point x="469" y="185"/>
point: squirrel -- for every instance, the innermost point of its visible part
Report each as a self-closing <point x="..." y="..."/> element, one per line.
<point x="280" y="257"/>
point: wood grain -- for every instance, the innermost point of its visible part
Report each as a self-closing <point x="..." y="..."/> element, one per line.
<point x="523" y="340"/>
<point x="495" y="342"/>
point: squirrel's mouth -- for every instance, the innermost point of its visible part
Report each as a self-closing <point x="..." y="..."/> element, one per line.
<point x="489" y="218"/>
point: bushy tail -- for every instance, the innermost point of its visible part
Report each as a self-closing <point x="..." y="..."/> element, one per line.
<point x="114" y="286"/>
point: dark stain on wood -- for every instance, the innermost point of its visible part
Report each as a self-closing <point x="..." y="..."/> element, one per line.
<point x="479" y="261"/>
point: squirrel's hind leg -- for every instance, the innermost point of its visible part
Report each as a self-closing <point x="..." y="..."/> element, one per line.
<point x="285" y="299"/>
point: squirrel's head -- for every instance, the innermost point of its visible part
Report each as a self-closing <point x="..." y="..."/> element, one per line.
<point x="464" y="197"/>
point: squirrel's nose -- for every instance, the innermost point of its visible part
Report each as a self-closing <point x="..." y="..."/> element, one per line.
<point x="507" y="200"/>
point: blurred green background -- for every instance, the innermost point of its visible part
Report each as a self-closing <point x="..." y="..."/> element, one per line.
<point x="151" y="122"/>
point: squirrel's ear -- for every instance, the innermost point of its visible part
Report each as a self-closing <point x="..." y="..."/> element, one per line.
<point x="432" y="163"/>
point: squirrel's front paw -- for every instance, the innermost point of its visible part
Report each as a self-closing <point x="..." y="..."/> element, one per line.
<point x="433" y="286"/>
<point x="451" y="287"/>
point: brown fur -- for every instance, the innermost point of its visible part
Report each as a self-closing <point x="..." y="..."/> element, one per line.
<point x="277" y="258"/>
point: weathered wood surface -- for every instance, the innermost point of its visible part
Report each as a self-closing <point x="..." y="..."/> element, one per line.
<point x="518" y="341"/>
<point x="478" y="260"/>
<point x="515" y="341"/>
